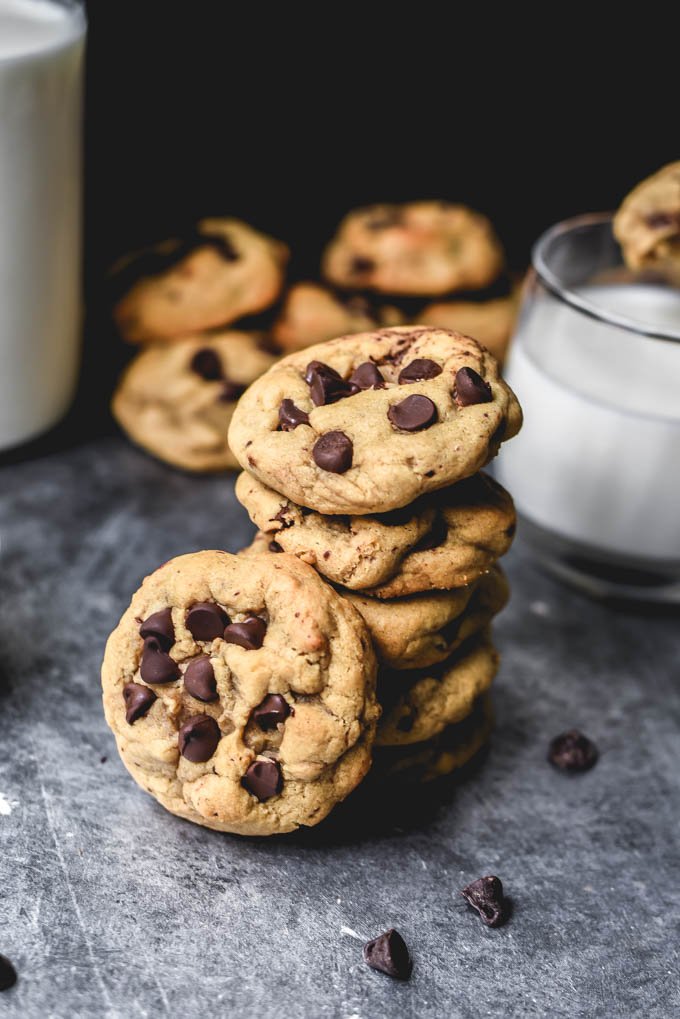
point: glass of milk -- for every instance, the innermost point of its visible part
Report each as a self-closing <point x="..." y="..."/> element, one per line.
<point x="41" y="63"/>
<point x="595" y="363"/>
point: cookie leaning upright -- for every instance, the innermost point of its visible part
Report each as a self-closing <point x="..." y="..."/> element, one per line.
<point x="242" y="692"/>
<point x="647" y="225"/>
<point x="369" y="422"/>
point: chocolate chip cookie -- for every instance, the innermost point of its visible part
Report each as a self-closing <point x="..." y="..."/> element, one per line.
<point x="312" y="313"/>
<point x="420" y="249"/>
<point x="367" y="423"/>
<point x="177" y="401"/>
<point x="241" y="692"/>
<point x="444" y="540"/>
<point x="647" y="225"/>
<point x="490" y="322"/>
<point x="221" y="271"/>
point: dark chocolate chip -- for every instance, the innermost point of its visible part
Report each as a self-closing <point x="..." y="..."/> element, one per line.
<point x="384" y="219"/>
<point x="662" y="220"/>
<point x="206" y="363"/>
<point x="273" y="710"/>
<point x="8" y="974"/>
<point x="389" y="954"/>
<point x="263" y="779"/>
<point x="249" y="634"/>
<point x="486" y="896"/>
<point x="406" y="722"/>
<point x="275" y="547"/>
<point x="206" y="621"/>
<point x="360" y="265"/>
<point x="419" y="370"/>
<point x="413" y="414"/>
<point x="471" y="388"/>
<point x="325" y="384"/>
<point x="157" y="666"/>
<point x="159" y="625"/>
<point x="231" y="391"/>
<point x="367" y="376"/>
<point x="572" y="751"/>
<point x="291" y="416"/>
<point x="199" y="679"/>
<point x="333" y="452"/>
<point x="138" y="699"/>
<point x="198" y="738"/>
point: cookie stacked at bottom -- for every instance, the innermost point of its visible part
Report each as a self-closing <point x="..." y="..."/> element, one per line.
<point x="361" y="458"/>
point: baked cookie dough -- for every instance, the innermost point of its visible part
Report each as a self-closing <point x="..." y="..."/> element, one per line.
<point x="224" y="270"/>
<point x="312" y="313"/>
<point x="647" y="225"/>
<point x="490" y="322"/>
<point x="419" y="249"/>
<point x="367" y="423"/>
<point x="242" y="692"/>
<point x="177" y="401"/>
<point x="419" y="704"/>
<point x="444" y="540"/>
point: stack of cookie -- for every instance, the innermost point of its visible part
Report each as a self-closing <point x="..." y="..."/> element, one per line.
<point x="361" y="457"/>
<point x="190" y="302"/>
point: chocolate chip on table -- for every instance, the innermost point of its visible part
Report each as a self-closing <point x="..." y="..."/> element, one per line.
<point x="273" y="710"/>
<point x="159" y="625"/>
<point x="486" y="896"/>
<point x="230" y="391"/>
<point x="199" y="679"/>
<point x="207" y="364"/>
<point x="157" y="666"/>
<point x="291" y="416"/>
<point x="367" y="376"/>
<point x="471" y="388"/>
<point x="249" y="634"/>
<point x="333" y="452"/>
<point x="389" y="954"/>
<point x="138" y="699"/>
<point x="206" y="621"/>
<point x="263" y="779"/>
<point x="198" y="738"/>
<point x="413" y="414"/>
<point x="572" y="751"/>
<point x="419" y="370"/>
<point x="8" y="974"/>
<point x="325" y="384"/>
<point x="360" y="265"/>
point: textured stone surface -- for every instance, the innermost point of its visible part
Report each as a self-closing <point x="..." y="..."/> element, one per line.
<point x="111" y="907"/>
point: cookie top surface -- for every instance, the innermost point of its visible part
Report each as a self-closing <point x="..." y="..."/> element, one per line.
<point x="647" y="225"/>
<point x="444" y="540"/>
<point x="241" y="692"/>
<point x="420" y="248"/>
<point x="313" y="313"/>
<point x="177" y="400"/>
<point x="436" y="412"/>
<point x="224" y="270"/>
<point x="490" y="322"/>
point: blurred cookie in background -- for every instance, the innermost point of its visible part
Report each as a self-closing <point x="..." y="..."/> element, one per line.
<point x="312" y="313"/>
<point x="490" y="322"/>
<point x="647" y="225"/>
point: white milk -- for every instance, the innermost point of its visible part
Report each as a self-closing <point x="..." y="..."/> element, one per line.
<point x="598" y="458"/>
<point x="41" y="57"/>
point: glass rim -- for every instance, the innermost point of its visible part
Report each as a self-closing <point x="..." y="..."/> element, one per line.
<point x="553" y="283"/>
<point x="76" y="13"/>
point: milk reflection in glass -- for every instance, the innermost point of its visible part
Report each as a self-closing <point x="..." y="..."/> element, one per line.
<point x="41" y="56"/>
<point x="598" y="459"/>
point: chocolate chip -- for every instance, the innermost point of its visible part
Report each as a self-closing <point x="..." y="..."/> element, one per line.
<point x="389" y="954"/>
<point x="471" y="388"/>
<point x="206" y="621"/>
<point x="263" y="779"/>
<point x="486" y="896"/>
<point x="230" y="391"/>
<point x="384" y="218"/>
<point x="291" y="416"/>
<point x="199" y="679"/>
<point x="360" y="265"/>
<point x="157" y="666"/>
<point x="249" y="634"/>
<point x="138" y="699"/>
<point x="333" y="452"/>
<point x="418" y="370"/>
<point x="325" y="384"/>
<point x="572" y="751"/>
<point x="206" y="363"/>
<point x="273" y="710"/>
<point x="198" y="738"/>
<point x="159" y="625"/>
<point x="8" y="974"/>
<point x="406" y="722"/>
<point x="275" y="547"/>
<point x="413" y="414"/>
<point x="367" y="376"/>
<point x="662" y="220"/>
